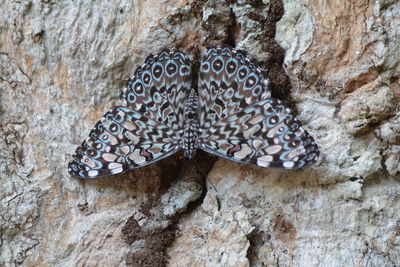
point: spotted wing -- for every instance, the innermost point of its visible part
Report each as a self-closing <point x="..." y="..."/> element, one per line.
<point x="229" y="81"/>
<point x="241" y="122"/>
<point x="122" y="140"/>
<point x="147" y="127"/>
<point x="160" y="87"/>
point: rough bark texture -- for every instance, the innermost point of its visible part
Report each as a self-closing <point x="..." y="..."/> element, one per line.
<point x="337" y="63"/>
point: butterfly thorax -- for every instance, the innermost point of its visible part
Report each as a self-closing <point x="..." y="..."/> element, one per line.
<point x="191" y="125"/>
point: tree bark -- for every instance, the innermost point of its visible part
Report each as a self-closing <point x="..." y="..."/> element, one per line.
<point x="335" y="63"/>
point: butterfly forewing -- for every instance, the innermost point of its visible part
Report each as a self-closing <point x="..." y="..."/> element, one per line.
<point x="229" y="81"/>
<point x="160" y="88"/>
<point x="238" y="122"/>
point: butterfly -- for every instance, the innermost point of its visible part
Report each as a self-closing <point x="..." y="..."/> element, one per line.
<point x="232" y="115"/>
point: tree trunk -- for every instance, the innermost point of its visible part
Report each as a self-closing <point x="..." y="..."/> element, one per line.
<point x="335" y="63"/>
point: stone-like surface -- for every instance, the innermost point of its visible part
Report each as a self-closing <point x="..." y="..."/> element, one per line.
<point x="289" y="219"/>
<point x="62" y="65"/>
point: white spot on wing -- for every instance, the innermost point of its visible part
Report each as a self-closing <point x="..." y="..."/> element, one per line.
<point x="124" y="150"/>
<point x="109" y="157"/>
<point x="264" y="161"/>
<point x="88" y="161"/>
<point x="128" y="125"/>
<point x="135" y="139"/>
<point x="288" y="164"/>
<point x="273" y="149"/>
<point x="296" y="152"/>
<point x="257" y="144"/>
<point x="136" y="157"/>
<point x="256" y="119"/>
<point x="93" y="173"/>
<point x="116" y="170"/>
<point x="114" y="165"/>
<point x="243" y="152"/>
<point x="266" y="158"/>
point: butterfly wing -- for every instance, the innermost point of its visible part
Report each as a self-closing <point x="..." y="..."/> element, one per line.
<point x="229" y="81"/>
<point x="122" y="140"/>
<point x="147" y="128"/>
<point x="160" y="87"/>
<point x="265" y="133"/>
<point x="241" y="122"/>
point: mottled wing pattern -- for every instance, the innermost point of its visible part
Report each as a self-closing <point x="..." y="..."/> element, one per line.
<point x="160" y="87"/>
<point x="122" y="140"/>
<point x="241" y="122"/>
<point x="265" y="133"/>
<point x="228" y="82"/>
<point x="147" y="128"/>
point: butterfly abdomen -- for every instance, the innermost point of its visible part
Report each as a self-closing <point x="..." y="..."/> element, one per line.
<point x="191" y="125"/>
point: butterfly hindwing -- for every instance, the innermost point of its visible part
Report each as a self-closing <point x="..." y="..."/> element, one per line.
<point x="241" y="122"/>
<point x="122" y="140"/>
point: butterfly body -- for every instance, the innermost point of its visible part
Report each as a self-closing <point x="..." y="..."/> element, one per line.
<point x="191" y="125"/>
<point x="232" y="115"/>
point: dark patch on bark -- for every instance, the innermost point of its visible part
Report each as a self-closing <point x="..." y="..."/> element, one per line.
<point x="156" y="239"/>
<point x="196" y="8"/>
<point x="230" y="39"/>
<point x="255" y="3"/>
<point x="171" y="171"/>
<point x="257" y="239"/>
<point x="280" y="83"/>
<point x="284" y="229"/>
<point x="217" y="26"/>
<point x="156" y="242"/>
